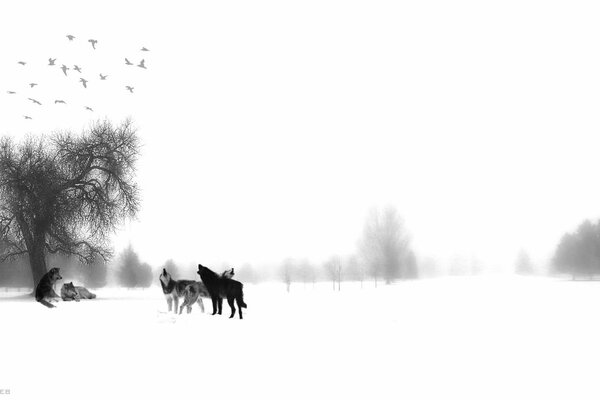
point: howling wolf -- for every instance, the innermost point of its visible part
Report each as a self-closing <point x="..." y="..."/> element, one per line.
<point x="219" y="287"/>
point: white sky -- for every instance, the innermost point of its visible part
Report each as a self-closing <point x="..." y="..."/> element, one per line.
<point x="271" y="127"/>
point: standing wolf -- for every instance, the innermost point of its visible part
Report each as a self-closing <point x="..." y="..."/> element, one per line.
<point x="44" y="293"/>
<point x="219" y="287"/>
<point x="191" y="294"/>
<point x="172" y="289"/>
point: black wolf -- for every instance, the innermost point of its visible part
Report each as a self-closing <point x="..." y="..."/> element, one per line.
<point x="220" y="287"/>
<point x="44" y="292"/>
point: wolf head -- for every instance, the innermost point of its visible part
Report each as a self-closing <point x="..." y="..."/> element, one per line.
<point x="206" y="273"/>
<point x="69" y="290"/>
<point x="228" y="273"/>
<point x="54" y="274"/>
<point x="165" y="277"/>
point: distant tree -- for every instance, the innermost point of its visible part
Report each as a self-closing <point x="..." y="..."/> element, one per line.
<point x="132" y="272"/>
<point x="523" y="265"/>
<point x="287" y="273"/>
<point x="333" y="269"/>
<point x="578" y="254"/>
<point x="385" y="244"/>
<point x="65" y="193"/>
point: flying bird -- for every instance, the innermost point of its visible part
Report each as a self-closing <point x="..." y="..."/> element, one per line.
<point x="93" y="42"/>
<point x="142" y="64"/>
<point x="26" y="117"/>
<point x="84" y="82"/>
<point x="64" y="69"/>
<point x="144" y="49"/>
<point x="130" y="88"/>
<point x="127" y="62"/>
<point x="70" y="37"/>
<point x="59" y="102"/>
<point x="76" y="68"/>
<point x="51" y="61"/>
<point x="10" y="92"/>
<point x="32" y="85"/>
<point x="35" y="101"/>
<point x="22" y="62"/>
<point x="103" y="77"/>
<point x="89" y="109"/>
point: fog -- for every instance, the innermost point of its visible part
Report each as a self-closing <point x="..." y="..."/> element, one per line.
<point x="270" y="130"/>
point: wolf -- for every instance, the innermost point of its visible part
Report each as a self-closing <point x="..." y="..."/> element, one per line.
<point x="219" y="287"/>
<point x="70" y="292"/>
<point x="228" y="273"/>
<point x="193" y="293"/>
<point x="44" y="292"/>
<point x="174" y="290"/>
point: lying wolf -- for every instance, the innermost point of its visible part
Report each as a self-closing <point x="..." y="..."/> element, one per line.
<point x="70" y="292"/>
<point x="44" y="292"/>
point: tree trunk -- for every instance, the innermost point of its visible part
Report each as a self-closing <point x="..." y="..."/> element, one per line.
<point x="37" y="261"/>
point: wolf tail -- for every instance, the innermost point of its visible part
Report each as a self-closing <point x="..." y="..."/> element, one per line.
<point x="92" y="295"/>
<point x="47" y="304"/>
<point x="242" y="303"/>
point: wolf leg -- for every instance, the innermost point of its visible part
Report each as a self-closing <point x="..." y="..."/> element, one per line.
<point x="214" y="303"/>
<point x="240" y="304"/>
<point x="201" y="304"/>
<point x="220" y="303"/>
<point x="170" y="303"/>
<point x="176" y="300"/>
<point x="231" y="305"/>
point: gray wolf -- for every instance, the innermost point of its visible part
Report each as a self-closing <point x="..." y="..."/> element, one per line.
<point x="70" y="292"/>
<point x="174" y="290"/>
<point x="193" y="293"/>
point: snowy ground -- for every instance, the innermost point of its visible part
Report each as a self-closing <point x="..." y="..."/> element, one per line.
<point x="452" y="338"/>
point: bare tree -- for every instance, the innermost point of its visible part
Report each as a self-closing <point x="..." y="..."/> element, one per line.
<point x="385" y="244"/>
<point x="333" y="267"/>
<point x="287" y="272"/>
<point x="65" y="193"/>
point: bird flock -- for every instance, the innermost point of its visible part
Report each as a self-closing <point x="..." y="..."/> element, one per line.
<point x="69" y="72"/>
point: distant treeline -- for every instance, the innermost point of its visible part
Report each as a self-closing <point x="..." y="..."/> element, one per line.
<point x="578" y="253"/>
